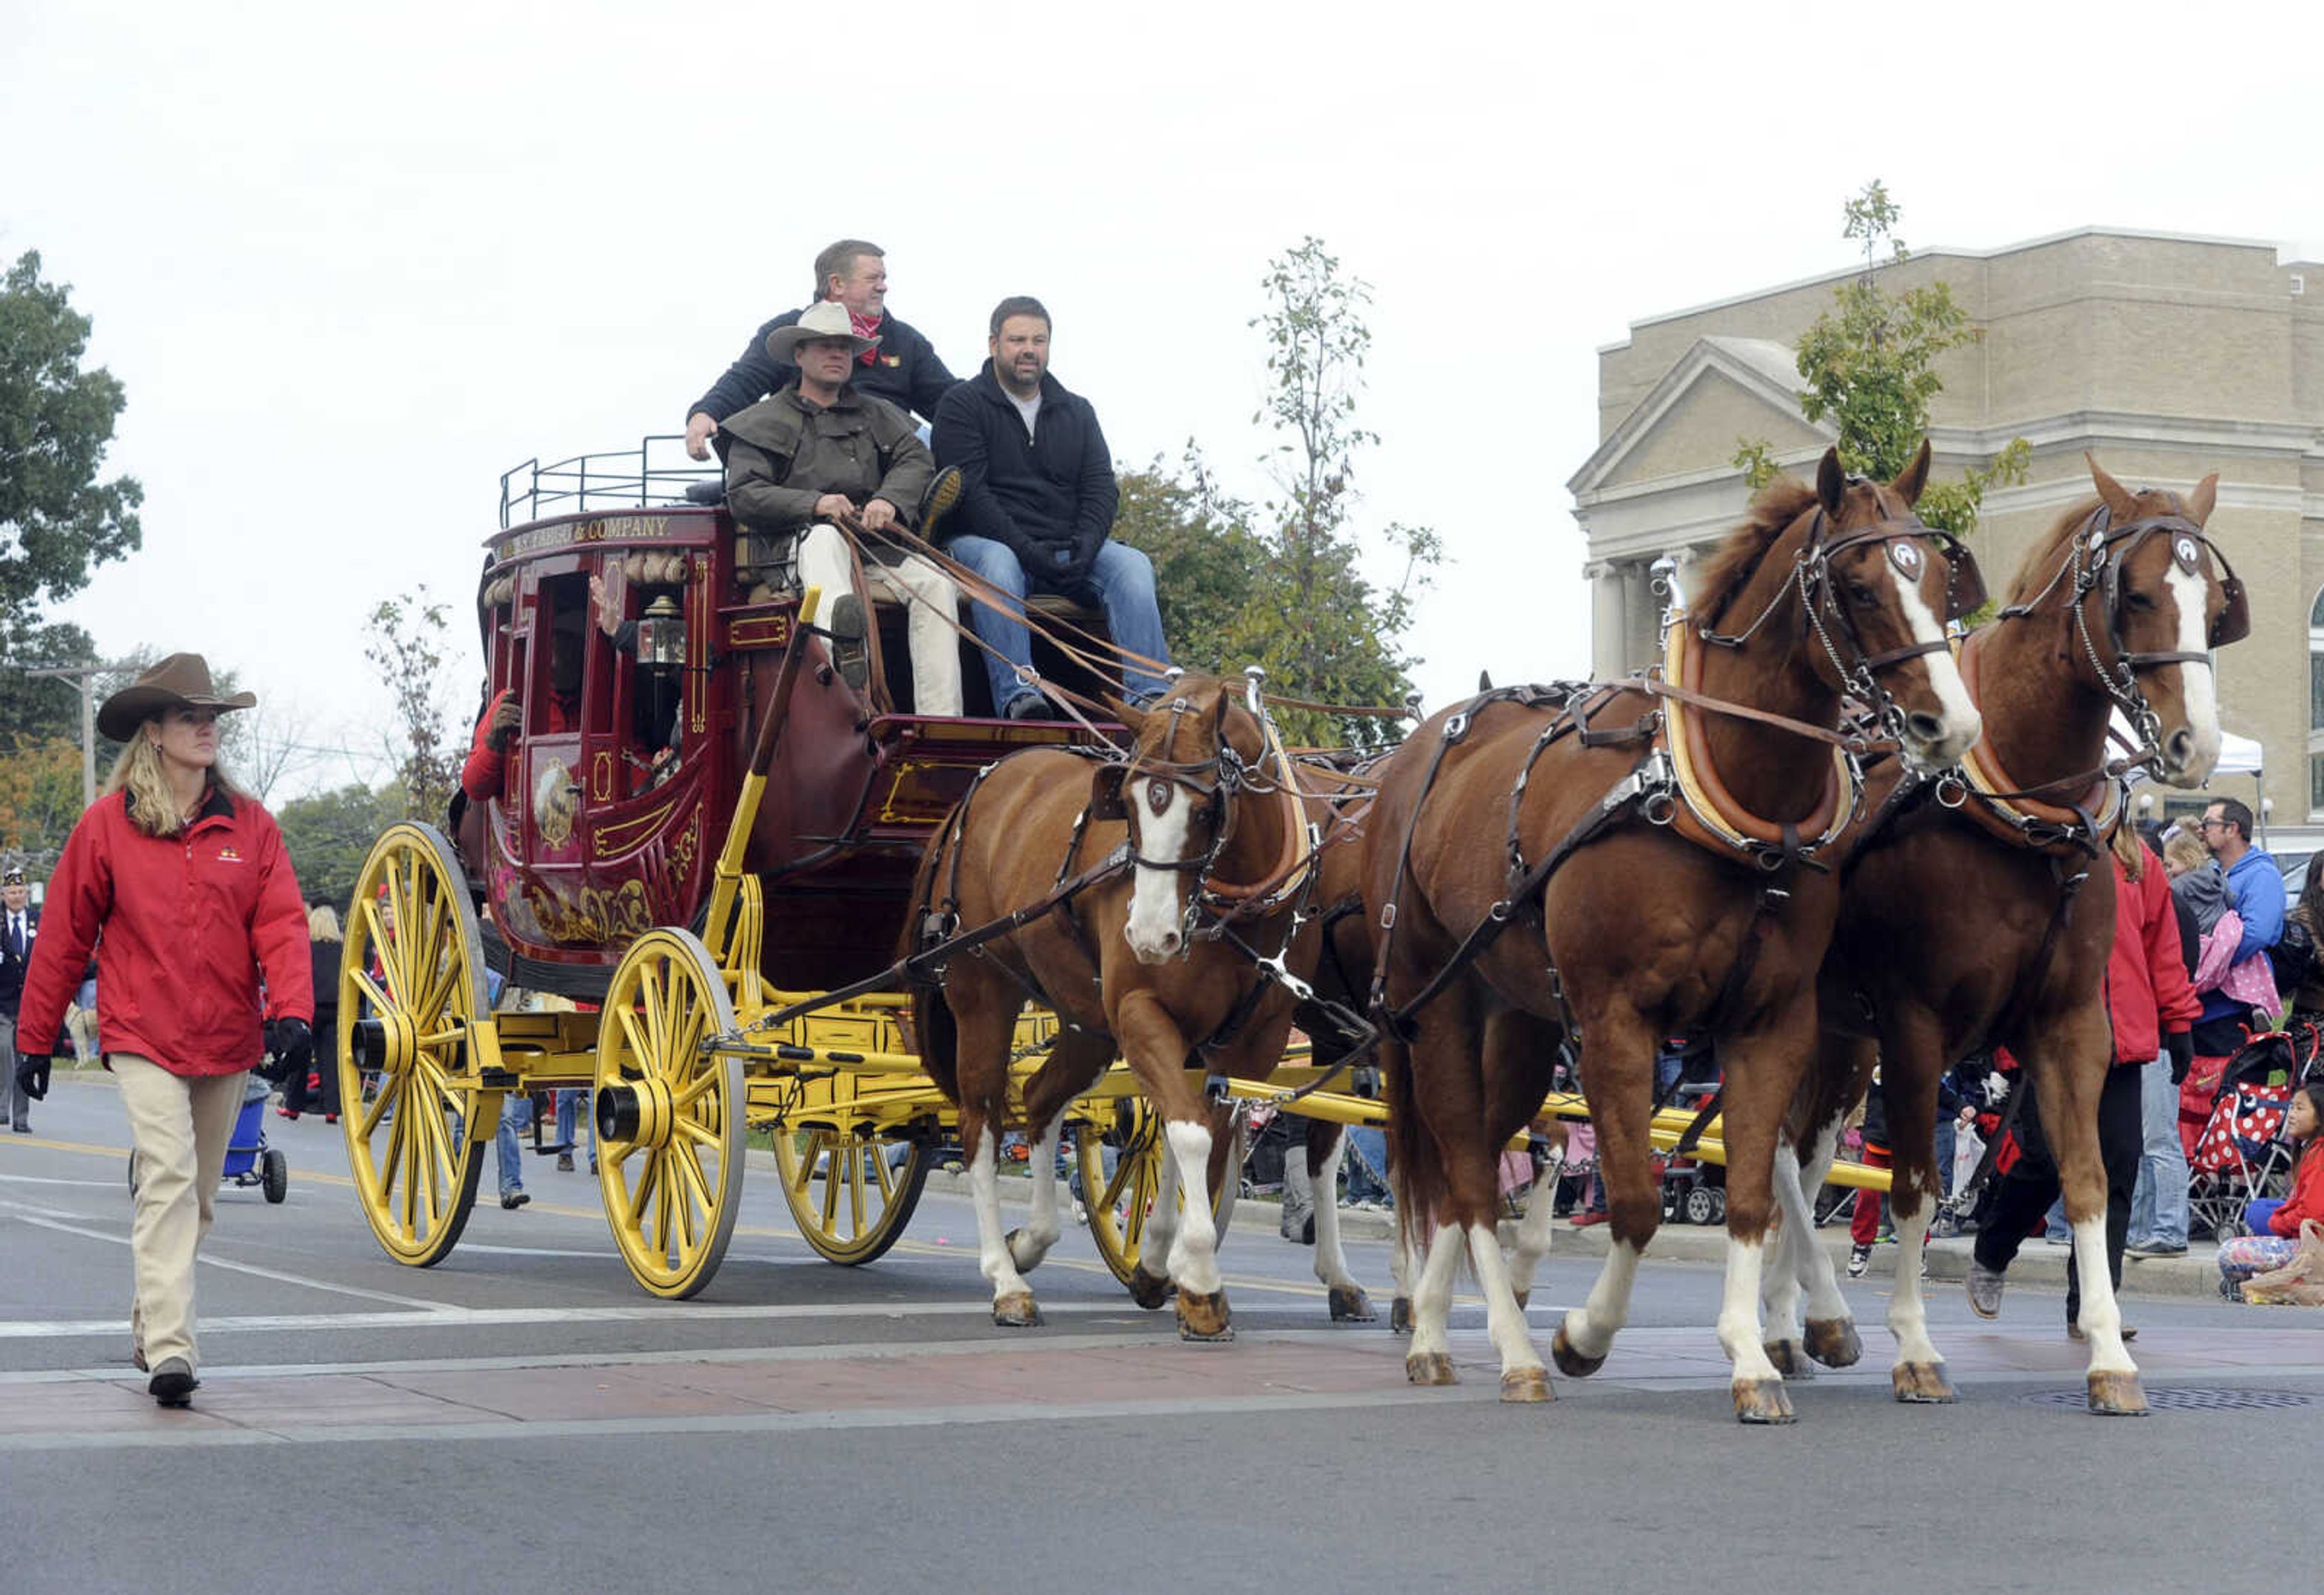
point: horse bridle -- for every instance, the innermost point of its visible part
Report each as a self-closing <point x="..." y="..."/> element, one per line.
<point x="1812" y="573"/>
<point x="1227" y="776"/>
<point x="2096" y="555"/>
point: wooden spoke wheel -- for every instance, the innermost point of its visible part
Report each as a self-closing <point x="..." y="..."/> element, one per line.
<point x="411" y="981"/>
<point x="1119" y="1207"/>
<point x="851" y="1195"/>
<point x="670" y="1116"/>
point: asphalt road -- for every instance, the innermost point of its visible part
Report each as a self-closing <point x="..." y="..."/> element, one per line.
<point x="524" y="1418"/>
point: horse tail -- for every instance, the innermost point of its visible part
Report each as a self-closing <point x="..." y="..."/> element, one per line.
<point x="1416" y="1168"/>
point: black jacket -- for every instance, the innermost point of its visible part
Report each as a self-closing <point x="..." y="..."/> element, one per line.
<point x="904" y="371"/>
<point x="1051" y="496"/>
<point x="11" y="968"/>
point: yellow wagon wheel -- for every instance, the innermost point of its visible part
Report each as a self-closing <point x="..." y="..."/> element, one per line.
<point x="851" y="1195"/>
<point x="1119" y="1206"/>
<point x="411" y="981"/>
<point x="670" y="1116"/>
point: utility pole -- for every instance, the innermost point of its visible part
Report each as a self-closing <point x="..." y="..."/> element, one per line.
<point x="85" y="676"/>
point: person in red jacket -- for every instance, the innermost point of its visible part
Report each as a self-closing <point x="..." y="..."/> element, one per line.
<point x="181" y="885"/>
<point x="2274" y="1225"/>
<point x="2153" y="1007"/>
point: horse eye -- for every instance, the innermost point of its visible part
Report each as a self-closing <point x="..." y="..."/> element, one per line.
<point x="2140" y="601"/>
<point x="1862" y="596"/>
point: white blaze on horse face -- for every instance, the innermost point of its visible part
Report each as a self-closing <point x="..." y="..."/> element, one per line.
<point x="1961" y="720"/>
<point x="2196" y="689"/>
<point x="1156" y="908"/>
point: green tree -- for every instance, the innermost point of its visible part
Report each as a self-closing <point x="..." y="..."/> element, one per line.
<point x="1322" y="630"/>
<point x="407" y="641"/>
<point x="57" y="521"/>
<point x="328" y="834"/>
<point x="1869" y="364"/>
<point x="44" y="706"/>
<point x="1203" y="550"/>
<point x="40" y="796"/>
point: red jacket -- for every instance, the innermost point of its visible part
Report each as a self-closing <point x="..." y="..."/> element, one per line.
<point x="2307" y="1198"/>
<point x="485" y="774"/>
<point x="183" y="927"/>
<point x="2147" y="977"/>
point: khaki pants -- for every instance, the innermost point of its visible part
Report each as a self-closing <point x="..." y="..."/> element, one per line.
<point x="928" y="596"/>
<point x="179" y="1126"/>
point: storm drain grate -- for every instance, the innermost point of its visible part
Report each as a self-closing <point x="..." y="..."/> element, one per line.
<point x="2191" y="1399"/>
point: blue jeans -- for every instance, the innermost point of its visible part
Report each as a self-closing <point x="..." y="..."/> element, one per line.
<point x="574" y="1105"/>
<point x="516" y="1117"/>
<point x="1123" y="580"/>
<point x="1366" y="1161"/>
<point x="2158" y="1209"/>
<point x="1946" y="1129"/>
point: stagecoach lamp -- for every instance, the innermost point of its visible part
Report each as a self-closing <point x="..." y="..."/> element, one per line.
<point x="661" y="635"/>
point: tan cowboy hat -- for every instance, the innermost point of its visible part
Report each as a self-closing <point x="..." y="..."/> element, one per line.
<point x="824" y="318"/>
<point x="183" y="678"/>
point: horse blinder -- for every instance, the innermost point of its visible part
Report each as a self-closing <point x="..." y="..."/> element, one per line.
<point x="1105" y="793"/>
<point x="2234" y="624"/>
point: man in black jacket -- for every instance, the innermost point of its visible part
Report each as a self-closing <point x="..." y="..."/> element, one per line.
<point x="1036" y="509"/>
<point x="19" y="922"/>
<point x="904" y="369"/>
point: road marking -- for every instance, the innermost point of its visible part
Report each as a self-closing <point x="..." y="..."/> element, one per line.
<point x="35" y="1179"/>
<point x="218" y="1262"/>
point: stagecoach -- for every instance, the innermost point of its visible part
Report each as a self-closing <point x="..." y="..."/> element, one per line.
<point x="699" y="868"/>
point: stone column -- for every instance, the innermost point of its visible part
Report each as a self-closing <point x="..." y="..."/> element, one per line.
<point x="1608" y="625"/>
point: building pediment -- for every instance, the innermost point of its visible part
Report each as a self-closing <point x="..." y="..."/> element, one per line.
<point x="1722" y="390"/>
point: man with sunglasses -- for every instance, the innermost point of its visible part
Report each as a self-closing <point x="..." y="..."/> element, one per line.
<point x="2255" y="892"/>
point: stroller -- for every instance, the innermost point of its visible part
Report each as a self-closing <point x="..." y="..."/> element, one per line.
<point x="2236" y="1155"/>
<point x="249" y="1160"/>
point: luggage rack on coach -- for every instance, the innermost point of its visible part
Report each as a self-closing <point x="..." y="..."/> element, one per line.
<point x="623" y="479"/>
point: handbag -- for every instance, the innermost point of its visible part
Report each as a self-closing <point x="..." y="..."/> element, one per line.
<point x="2300" y="1283"/>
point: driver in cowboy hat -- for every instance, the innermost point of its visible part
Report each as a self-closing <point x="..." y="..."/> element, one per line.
<point x="819" y="456"/>
<point x="180" y="884"/>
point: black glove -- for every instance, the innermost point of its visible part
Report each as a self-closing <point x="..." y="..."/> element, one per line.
<point x="32" y="1075"/>
<point x="294" y="1047"/>
<point x="2181" y="1045"/>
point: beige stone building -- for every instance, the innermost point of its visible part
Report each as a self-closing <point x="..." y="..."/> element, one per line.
<point x="2167" y="357"/>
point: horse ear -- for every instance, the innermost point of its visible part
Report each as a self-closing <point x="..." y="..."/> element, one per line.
<point x="1121" y="710"/>
<point x="1831" y="482"/>
<point x="1913" y="477"/>
<point x="2116" y="497"/>
<point x="1484" y="681"/>
<point x="2204" y="499"/>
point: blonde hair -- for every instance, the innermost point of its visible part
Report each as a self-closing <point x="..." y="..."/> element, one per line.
<point x="322" y="924"/>
<point x="140" y="774"/>
<point x="2129" y="852"/>
<point x="2182" y="850"/>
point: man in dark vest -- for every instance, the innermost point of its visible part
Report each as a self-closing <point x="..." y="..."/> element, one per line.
<point x="903" y="368"/>
<point x="818" y="455"/>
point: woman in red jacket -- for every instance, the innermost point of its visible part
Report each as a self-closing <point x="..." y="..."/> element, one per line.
<point x="2274" y="1225"/>
<point x="181" y="885"/>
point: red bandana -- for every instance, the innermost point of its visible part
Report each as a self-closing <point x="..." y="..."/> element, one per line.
<point x="865" y="327"/>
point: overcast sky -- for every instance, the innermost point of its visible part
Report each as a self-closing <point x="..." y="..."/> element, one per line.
<point x="354" y="262"/>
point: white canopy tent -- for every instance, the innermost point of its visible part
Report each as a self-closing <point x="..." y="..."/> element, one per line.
<point x="2239" y="757"/>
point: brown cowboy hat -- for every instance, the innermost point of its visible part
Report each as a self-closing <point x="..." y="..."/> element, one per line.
<point x="183" y="679"/>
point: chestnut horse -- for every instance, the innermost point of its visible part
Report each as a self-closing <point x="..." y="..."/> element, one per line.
<point x="1210" y="858"/>
<point x="1980" y="908"/>
<point x="1662" y="859"/>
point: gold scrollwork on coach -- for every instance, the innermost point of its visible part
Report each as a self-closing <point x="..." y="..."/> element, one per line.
<point x="593" y="916"/>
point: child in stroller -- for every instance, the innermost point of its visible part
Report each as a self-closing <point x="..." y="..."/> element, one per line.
<point x="2237" y="1158"/>
<point x="2274" y="1224"/>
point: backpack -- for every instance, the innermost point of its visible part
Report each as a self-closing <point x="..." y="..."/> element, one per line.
<point x="2292" y="957"/>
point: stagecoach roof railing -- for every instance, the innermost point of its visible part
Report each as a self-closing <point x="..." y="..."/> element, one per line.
<point x="621" y="479"/>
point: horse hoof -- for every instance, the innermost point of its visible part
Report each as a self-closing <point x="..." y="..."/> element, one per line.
<point x="1921" y="1383"/>
<point x="1349" y="1305"/>
<point x="1790" y="1358"/>
<point x="1399" y="1315"/>
<point x="1762" y="1401"/>
<point x="1527" y="1383"/>
<point x="1203" y="1317"/>
<point x="1833" y="1342"/>
<point x="1570" y="1362"/>
<point x="2116" y="1396"/>
<point x="1430" y="1368"/>
<point x="1149" y="1291"/>
<point x="1017" y="1310"/>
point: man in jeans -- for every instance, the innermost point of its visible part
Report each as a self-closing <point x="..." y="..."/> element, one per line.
<point x="1036" y="508"/>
